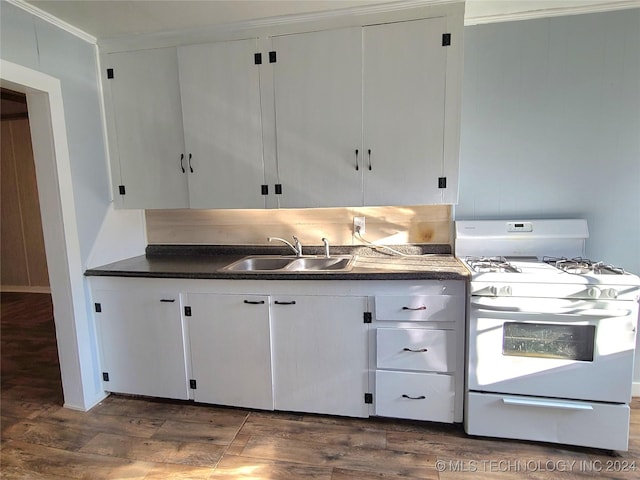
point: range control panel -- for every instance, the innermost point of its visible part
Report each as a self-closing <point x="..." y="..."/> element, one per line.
<point x="519" y="227"/>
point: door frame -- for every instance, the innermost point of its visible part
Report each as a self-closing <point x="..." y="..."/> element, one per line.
<point x="75" y="332"/>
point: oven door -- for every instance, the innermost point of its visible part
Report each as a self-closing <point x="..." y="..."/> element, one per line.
<point x="575" y="349"/>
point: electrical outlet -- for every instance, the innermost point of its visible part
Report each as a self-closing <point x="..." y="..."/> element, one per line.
<point x="358" y="222"/>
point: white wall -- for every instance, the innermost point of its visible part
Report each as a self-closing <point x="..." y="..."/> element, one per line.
<point x="79" y="186"/>
<point x="551" y="126"/>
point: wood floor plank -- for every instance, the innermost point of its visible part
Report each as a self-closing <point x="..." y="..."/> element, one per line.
<point x="347" y="474"/>
<point x="47" y="434"/>
<point x="233" y="467"/>
<point x="157" y="451"/>
<point x="54" y="463"/>
<point x="315" y="432"/>
<point x="356" y="458"/>
<point x="220" y="430"/>
<point x="135" y="427"/>
<point x="178" y="472"/>
<point x="163" y="410"/>
<point x="238" y="444"/>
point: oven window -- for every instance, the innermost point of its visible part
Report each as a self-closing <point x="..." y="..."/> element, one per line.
<point x="544" y="340"/>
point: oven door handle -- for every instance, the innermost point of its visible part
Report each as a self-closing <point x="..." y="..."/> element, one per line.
<point x="559" y="307"/>
<point x="529" y="402"/>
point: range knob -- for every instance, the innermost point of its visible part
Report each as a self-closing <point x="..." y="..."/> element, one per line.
<point x="594" y="292"/>
<point x="505" y="291"/>
<point x="610" y="293"/>
<point x="493" y="290"/>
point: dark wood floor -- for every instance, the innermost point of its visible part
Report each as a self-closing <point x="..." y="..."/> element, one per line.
<point x="135" y="438"/>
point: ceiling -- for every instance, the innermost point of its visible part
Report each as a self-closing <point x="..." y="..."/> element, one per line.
<point x="104" y="19"/>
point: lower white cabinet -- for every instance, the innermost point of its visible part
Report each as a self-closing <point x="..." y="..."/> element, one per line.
<point x="351" y="348"/>
<point x="229" y="339"/>
<point x="141" y="337"/>
<point x="320" y="354"/>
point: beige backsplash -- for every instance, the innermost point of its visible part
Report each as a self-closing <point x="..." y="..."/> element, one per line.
<point x="384" y="225"/>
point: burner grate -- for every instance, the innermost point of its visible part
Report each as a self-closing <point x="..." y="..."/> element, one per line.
<point x="583" y="266"/>
<point x="491" y="264"/>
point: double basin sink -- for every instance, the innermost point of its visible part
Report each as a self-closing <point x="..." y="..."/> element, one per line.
<point x="291" y="264"/>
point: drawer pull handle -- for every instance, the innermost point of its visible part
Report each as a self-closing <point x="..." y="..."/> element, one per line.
<point x="293" y="302"/>
<point x="167" y="300"/>
<point x="259" y="302"/>
<point x="421" y="397"/>
<point x="416" y="350"/>
<point x="422" y="307"/>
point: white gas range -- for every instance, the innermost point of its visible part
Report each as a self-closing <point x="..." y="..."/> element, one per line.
<point x="551" y="335"/>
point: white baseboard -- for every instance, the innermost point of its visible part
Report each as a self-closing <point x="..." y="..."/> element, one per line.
<point x="90" y="404"/>
<point x="24" y="289"/>
<point x="635" y="389"/>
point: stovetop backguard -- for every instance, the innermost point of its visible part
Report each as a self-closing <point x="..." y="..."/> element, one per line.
<point x="521" y="238"/>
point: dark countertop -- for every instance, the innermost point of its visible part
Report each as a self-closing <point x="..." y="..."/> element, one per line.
<point x="427" y="262"/>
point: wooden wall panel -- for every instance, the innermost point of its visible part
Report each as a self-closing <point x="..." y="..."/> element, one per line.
<point x="12" y="252"/>
<point x="24" y="263"/>
<point x="384" y="225"/>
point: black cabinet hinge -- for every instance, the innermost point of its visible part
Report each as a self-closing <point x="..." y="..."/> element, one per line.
<point x="368" y="398"/>
<point x="264" y="189"/>
<point x="278" y="188"/>
<point x="272" y="57"/>
<point x="257" y="58"/>
<point x="187" y="311"/>
<point x="98" y="307"/>
<point x="367" y="317"/>
<point x="105" y="376"/>
<point x="109" y="73"/>
<point x="121" y="189"/>
<point x="442" y="182"/>
<point x="192" y="384"/>
<point x="446" y="39"/>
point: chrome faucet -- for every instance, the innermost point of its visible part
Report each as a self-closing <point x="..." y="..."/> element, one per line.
<point x="297" y="249"/>
<point x="326" y="246"/>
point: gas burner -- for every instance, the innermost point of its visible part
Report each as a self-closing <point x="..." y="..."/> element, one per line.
<point x="491" y="264"/>
<point x="583" y="266"/>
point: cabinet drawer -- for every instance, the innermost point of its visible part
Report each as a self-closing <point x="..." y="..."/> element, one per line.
<point x="420" y="308"/>
<point x="418" y="396"/>
<point x="416" y="349"/>
<point x="588" y="424"/>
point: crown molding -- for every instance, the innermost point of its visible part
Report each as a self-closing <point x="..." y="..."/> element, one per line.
<point x="552" y="12"/>
<point x="47" y="17"/>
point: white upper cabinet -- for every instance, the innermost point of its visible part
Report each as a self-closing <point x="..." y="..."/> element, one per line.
<point x="220" y="90"/>
<point x="338" y="112"/>
<point x="146" y="136"/>
<point x="404" y="84"/>
<point x="318" y="103"/>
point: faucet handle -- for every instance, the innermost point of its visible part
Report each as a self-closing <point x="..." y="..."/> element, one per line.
<point x="298" y="245"/>
<point x="326" y="246"/>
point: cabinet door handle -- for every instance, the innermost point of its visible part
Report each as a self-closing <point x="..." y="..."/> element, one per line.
<point x="421" y="397"/>
<point x="369" y="153"/>
<point x="417" y="350"/>
<point x="259" y="302"/>
<point x="413" y="309"/>
<point x="190" y="167"/>
<point x="167" y="300"/>
<point x="357" y="167"/>
<point x="181" y="159"/>
<point x="293" y="302"/>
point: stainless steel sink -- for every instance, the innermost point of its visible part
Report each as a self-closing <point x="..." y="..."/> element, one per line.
<point x="320" y="263"/>
<point x="259" y="264"/>
<point x="280" y="264"/>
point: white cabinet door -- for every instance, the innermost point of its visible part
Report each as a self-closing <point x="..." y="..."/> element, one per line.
<point x="404" y="109"/>
<point x="146" y="127"/>
<point x="141" y="338"/>
<point x="320" y="361"/>
<point x="318" y="99"/>
<point x="231" y="349"/>
<point x="220" y="88"/>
